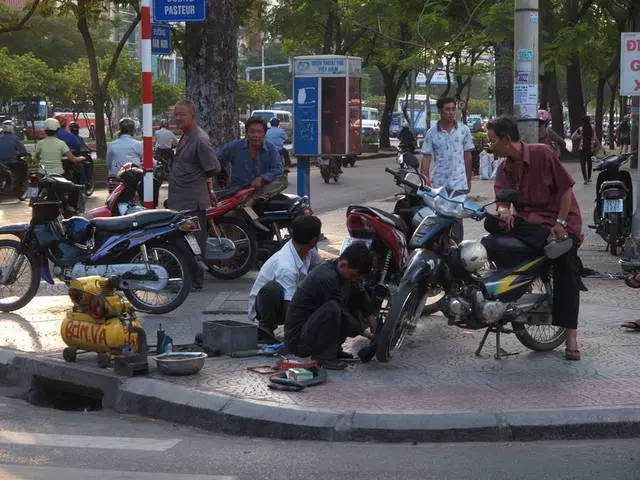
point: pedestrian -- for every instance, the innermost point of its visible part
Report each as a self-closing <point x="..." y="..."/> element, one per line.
<point x="448" y="146"/>
<point x="282" y="274"/>
<point x="588" y="146"/>
<point x="92" y="131"/>
<point x="624" y="135"/>
<point x="329" y="306"/>
<point x="191" y="178"/>
<point x="254" y="162"/>
<point x="546" y="213"/>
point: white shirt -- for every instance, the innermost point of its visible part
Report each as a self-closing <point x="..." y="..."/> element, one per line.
<point x="165" y="138"/>
<point x="288" y="269"/>
<point x="123" y="150"/>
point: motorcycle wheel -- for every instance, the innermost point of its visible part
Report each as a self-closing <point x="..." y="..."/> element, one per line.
<point x="325" y="176"/>
<point x="246" y="242"/>
<point x="172" y="259"/>
<point x="403" y="309"/>
<point x="614" y="226"/>
<point x="540" y="338"/>
<point x="13" y="297"/>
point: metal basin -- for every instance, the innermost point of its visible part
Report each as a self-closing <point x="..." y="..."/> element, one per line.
<point x="180" y="363"/>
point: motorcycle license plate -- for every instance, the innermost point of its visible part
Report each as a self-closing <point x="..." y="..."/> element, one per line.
<point x="350" y="241"/>
<point x="614" y="206"/>
<point x="324" y="161"/>
<point x="193" y="243"/>
<point x="32" y="192"/>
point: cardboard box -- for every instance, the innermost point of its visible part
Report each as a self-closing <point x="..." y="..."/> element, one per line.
<point x="299" y="374"/>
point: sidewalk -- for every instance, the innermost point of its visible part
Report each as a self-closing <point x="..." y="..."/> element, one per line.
<point x="434" y="389"/>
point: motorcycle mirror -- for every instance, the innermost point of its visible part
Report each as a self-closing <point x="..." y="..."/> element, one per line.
<point x="507" y="196"/>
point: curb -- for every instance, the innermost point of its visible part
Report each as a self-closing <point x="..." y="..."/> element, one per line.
<point x="221" y="413"/>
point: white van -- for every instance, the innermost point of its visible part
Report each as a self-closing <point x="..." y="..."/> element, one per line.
<point x="369" y="113"/>
<point x="286" y="118"/>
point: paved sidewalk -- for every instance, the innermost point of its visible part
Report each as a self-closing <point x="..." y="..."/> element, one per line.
<point x="433" y="389"/>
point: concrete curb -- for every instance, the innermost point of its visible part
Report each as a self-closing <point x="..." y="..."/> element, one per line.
<point x="222" y="413"/>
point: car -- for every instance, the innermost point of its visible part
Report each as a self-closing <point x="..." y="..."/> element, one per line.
<point x="370" y="130"/>
<point x="243" y="130"/>
<point x="286" y="118"/>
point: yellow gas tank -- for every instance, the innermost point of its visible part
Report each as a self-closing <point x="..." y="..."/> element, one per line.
<point x="82" y="331"/>
<point x="95" y="296"/>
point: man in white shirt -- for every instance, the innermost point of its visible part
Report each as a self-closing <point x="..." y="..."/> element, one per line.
<point x="278" y="137"/>
<point x="281" y="275"/>
<point x="125" y="149"/>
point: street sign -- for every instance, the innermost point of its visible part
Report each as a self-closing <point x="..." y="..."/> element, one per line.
<point x="161" y="40"/>
<point x="179" y="11"/>
<point x="630" y="64"/>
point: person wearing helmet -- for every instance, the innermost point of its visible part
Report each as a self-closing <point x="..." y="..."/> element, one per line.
<point x="278" y="137"/>
<point x="66" y="136"/>
<point x="51" y="149"/>
<point x="547" y="135"/>
<point x="10" y="149"/>
<point x="166" y="141"/>
<point x="74" y="128"/>
<point x="125" y="149"/>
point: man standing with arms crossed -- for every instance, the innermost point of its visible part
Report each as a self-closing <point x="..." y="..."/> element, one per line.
<point x="448" y="145"/>
<point x="191" y="178"/>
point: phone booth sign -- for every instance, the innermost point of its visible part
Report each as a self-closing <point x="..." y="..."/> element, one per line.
<point x="326" y="110"/>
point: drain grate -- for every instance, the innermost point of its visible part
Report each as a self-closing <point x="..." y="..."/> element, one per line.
<point x="64" y="396"/>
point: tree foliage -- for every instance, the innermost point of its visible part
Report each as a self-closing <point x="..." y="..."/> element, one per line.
<point x="256" y="94"/>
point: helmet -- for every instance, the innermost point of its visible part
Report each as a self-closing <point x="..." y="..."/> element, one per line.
<point x="7" y="127"/>
<point x="127" y="125"/>
<point x="130" y="174"/>
<point x="420" y="215"/>
<point x="544" y="116"/>
<point x="51" y="124"/>
<point x="274" y="122"/>
<point x="473" y="255"/>
<point x="164" y="123"/>
<point x="78" y="229"/>
<point x="62" y="120"/>
<point x="74" y="128"/>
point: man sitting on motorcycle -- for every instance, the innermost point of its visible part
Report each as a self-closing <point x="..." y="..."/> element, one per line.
<point x="254" y="162"/>
<point x="278" y="137"/>
<point x="50" y="150"/>
<point x="66" y="136"/>
<point x="81" y="172"/>
<point x="166" y="141"/>
<point x="329" y="306"/>
<point x="546" y="216"/>
<point x="282" y="274"/>
<point x="10" y="149"/>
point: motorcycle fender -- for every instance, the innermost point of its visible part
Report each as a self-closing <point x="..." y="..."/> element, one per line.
<point x="17" y="229"/>
<point x="423" y="265"/>
<point x="119" y="243"/>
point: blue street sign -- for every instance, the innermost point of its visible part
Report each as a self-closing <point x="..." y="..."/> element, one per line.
<point x="161" y="40"/>
<point x="179" y="11"/>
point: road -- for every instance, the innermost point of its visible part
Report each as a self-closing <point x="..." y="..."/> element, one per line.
<point x="38" y="443"/>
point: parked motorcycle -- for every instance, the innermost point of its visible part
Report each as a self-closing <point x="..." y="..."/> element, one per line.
<point x="13" y="178"/>
<point x="146" y="252"/>
<point x="613" y="211"/>
<point x="330" y="167"/>
<point x="478" y="294"/>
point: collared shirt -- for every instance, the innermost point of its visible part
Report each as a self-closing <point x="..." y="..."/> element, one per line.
<point x="123" y="150"/>
<point x="447" y="149"/>
<point x="165" y="138"/>
<point x="68" y="138"/>
<point x="540" y="186"/>
<point x="277" y="136"/>
<point x="288" y="269"/>
<point x="49" y="152"/>
<point x="244" y="169"/>
<point x="187" y="179"/>
<point x="10" y="148"/>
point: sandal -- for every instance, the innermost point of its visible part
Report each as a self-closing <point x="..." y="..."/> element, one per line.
<point x="632" y="325"/>
<point x="571" y="354"/>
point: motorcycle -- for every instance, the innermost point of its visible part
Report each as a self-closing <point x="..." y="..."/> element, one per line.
<point x="613" y="211"/>
<point x="13" y="178"/>
<point x="481" y="289"/>
<point x="330" y="167"/>
<point x="80" y="173"/>
<point x="56" y="188"/>
<point x="144" y="252"/>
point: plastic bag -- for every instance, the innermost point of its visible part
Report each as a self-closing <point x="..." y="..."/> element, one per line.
<point x="486" y="159"/>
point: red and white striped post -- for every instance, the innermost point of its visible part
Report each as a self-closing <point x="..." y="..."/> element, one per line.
<point x="147" y="101"/>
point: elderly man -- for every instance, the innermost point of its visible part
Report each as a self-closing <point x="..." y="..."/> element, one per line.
<point x="546" y="215"/>
<point x="191" y="177"/>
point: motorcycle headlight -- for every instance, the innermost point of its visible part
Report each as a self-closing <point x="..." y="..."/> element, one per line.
<point x="447" y="207"/>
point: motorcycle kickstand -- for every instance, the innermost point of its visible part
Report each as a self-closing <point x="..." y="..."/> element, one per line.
<point x="500" y="352"/>
<point x="482" y="342"/>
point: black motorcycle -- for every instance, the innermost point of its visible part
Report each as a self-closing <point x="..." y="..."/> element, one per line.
<point x="330" y="168"/>
<point x="57" y="188"/>
<point x="80" y="173"/>
<point x="13" y="178"/>
<point x="613" y="210"/>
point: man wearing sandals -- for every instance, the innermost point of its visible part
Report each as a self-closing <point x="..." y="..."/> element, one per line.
<point x="545" y="216"/>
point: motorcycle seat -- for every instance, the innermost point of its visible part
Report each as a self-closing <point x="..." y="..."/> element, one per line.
<point x="135" y="220"/>
<point x="613" y="184"/>
<point x="58" y="183"/>
<point x="502" y="243"/>
<point x="281" y="202"/>
<point x="388" y="218"/>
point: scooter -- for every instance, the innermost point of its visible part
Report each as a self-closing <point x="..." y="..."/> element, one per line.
<point x="80" y="173"/>
<point x="13" y="178"/>
<point x="613" y="211"/>
<point x="56" y="188"/>
<point x="330" y="167"/>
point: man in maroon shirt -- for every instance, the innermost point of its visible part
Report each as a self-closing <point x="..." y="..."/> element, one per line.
<point x="546" y="211"/>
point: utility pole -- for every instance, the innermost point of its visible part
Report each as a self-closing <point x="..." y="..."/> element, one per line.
<point x="262" y="51"/>
<point x="525" y="69"/>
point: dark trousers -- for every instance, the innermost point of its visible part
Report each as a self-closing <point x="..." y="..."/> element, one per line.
<point x="325" y="331"/>
<point x="270" y="309"/>
<point x="585" y="164"/>
<point x="196" y="267"/>
<point x="566" y="269"/>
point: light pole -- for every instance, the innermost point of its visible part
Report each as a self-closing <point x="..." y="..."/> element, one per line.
<point x="525" y="85"/>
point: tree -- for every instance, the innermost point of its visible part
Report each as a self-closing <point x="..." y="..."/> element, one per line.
<point x="18" y="21"/>
<point x="256" y="93"/>
<point x="280" y="78"/>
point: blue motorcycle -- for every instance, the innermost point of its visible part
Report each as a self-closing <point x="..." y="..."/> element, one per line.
<point x="147" y="252"/>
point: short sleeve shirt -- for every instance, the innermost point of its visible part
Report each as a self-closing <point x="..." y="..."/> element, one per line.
<point x="187" y="181"/>
<point x="447" y="150"/>
<point x="50" y="151"/>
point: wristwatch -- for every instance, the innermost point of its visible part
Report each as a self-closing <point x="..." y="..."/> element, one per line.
<point x="561" y="222"/>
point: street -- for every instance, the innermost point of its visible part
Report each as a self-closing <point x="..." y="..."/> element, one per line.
<point x="43" y="444"/>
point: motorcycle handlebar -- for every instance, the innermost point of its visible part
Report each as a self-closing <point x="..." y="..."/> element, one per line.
<point x="401" y="181"/>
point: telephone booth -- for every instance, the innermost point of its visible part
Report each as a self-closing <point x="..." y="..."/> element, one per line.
<point x="326" y="110"/>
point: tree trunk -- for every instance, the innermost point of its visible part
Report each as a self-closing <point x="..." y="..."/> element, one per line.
<point x="504" y="77"/>
<point x="612" y="112"/>
<point x="544" y="91"/>
<point x="212" y="55"/>
<point x="600" y="106"/>
<point x="557" y="115"/>
<point x="575" y="99"/>
<point x="393" y="82"/>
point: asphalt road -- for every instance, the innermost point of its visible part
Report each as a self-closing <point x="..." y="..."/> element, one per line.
<point x="38" y="443"/>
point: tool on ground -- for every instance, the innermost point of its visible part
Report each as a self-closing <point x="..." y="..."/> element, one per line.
<point x="164" y="342"/>
<point x="101" y="321"/>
